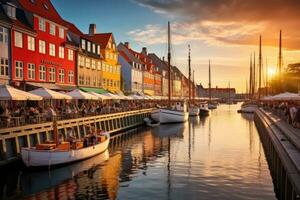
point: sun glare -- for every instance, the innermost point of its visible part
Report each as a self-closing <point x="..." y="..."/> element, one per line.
<point x="271" y="71"/>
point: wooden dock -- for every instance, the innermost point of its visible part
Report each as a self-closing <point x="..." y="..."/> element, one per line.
<point x="281" y="145"/>
<point x="13" y="139"/>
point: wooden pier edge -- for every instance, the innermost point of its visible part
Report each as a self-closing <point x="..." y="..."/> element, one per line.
<point x="282" y="156"/>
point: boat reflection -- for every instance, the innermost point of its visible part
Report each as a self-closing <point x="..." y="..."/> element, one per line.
<point x="170" y="130"/>
<point x="33" y="182"/>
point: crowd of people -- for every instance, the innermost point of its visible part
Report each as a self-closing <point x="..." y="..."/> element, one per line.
<point x="290" y="111"/>
<point x="22" y="114"/>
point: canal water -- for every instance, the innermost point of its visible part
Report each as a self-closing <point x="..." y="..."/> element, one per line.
<point x="215" y="157"/>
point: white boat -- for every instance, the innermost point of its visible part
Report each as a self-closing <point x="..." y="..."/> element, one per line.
<point x="204" y="109"/>
<point x="164" y="115"/>
<point x="194" y="111"/>
<point x="212" y="106"/>
<point x="32" y="157"/>
<point x="249" y="107"/>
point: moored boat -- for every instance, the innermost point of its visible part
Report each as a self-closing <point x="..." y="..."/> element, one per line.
<point x="248" y="107"/>
<point x="212" y="106"/>
<point x="204" y="109"/>
<point x="55" y="153"/>
<point x="194" y="111"/>
<point x="165" y="115"/>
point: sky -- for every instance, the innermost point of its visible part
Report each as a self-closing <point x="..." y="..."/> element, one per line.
<point x="224" y="31"/>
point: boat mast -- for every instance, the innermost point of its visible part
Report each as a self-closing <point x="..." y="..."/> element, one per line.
<point x="193" y="86"/>
<point x="169" y="65"/>
<point x="228" y="91"/>
<point x="280" y="54"/>
<point x="260" y="67"/>
<point x="55" y="132"/>
<point x="209" y="80"/>
<point x="189" y="61"/>
<point x="250" y="79"/>
<point x="267" y="89"/>
<point x="254" y="74"/>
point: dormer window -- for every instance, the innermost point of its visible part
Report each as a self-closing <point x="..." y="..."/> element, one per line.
<point x="98" y="49"/>
<point x="10" y="10"/>
<point x="83" y="44"/>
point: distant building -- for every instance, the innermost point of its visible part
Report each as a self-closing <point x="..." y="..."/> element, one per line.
<point x="132" y="69"/>
<point x="222" y="93"/>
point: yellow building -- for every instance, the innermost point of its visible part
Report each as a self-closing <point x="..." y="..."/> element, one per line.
<point x="111" y="69"/>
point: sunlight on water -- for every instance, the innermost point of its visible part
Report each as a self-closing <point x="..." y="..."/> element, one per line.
<point x="217" y="157"/>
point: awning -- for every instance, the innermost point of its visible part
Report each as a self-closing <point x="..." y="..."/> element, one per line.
<point x="52" y="86"/>
<point x="96" y="90"/>
<point x="10" y="93"/>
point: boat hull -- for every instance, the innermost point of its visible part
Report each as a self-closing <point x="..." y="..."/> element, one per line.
<point x="42" y="158"/>
<point x="250" y="108"/>
<point x="169" y="116"/>
<point x="212" y="106"/>
<point x="194" y="111"/>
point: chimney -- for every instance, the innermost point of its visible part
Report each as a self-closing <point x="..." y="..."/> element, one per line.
<point x="127" y="45"/>
<point x="163" y="59"/>
<point x="92" y="29"/>
<point x="144" y="51"/>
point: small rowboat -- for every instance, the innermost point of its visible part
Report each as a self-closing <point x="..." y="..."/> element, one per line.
<point x="150" y="122"/>
<point x="53" y="154"/>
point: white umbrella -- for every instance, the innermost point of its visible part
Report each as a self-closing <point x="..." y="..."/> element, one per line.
<point x="78" y="94"/>
<point x="101" y="96"/>
<point x="49" y="94"/>
<point x="286" y="96"/>
<point x="112" y="96"/>
<point x="10" y="93"/>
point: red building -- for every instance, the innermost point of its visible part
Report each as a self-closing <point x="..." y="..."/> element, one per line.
<point x="42" y="55"/>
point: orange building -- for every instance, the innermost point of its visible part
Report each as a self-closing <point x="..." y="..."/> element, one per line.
<point x="149" y="73"/>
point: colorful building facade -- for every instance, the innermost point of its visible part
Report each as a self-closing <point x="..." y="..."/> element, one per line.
<point x="111" y="69"/>
<point x="40" y="53"/>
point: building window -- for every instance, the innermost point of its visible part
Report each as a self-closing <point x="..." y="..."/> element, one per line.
<point x="3" y="35"/>
<point x="42" y="73"/>
<point x="42" y="24"/>
<point x="52" y="49"/>
<point x="19" y="69"/>
<point x="11" y="11"/>
<point x="61" y="75"/>
<point x="61" y="53"/>
<point x="87" y="63"/>
<point x="18" y="39"/>
<point x="94" y="48"/>
<point x="3" y="67"/>
<point x="81" y="61"/>
<point x="71" y="76"/>
<point x="31" y="43"/>
<point x="31" y="71"/>
<point x="98" y="65"/>
<point x="52" y="29"/>
<point x="52" y="76"/>
<point x="70" y="54"/>
<point x="93" y="64"/>
<point x="98" y="49"/>
<point x="83" y="44"/>
<point x="42" y="46"/>
<point x="61" y="33"/>
<point x="89" y="46"/>
<point x="94" y="81"/>
<point x="88" y="80"/>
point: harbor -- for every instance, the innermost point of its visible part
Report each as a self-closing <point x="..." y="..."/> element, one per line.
<point x="198" y="158"/>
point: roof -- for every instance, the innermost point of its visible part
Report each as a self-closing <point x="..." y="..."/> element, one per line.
<point x="42" y="8"/>
<point x="130" y="53"/>
<point x="158" y="62"/>
<point x="102" y="38"/>
<point x="123" y="54"/>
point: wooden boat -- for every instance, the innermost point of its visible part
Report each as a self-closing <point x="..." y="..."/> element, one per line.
<point x="169" y="115"/>
<point x="248" y="107"/>
<point x="151" y="123"/>
<point x="204" y="109"/>
<point x="55" y="153"/>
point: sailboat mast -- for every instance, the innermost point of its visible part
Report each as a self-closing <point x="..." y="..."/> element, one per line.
<point x="267" y="89"/>
<point x="254" y="74"/>
<point x="193" y="86"/>
<point x="228" y="91"/>
<point x="209" y="80"/>
<point x="260" y="68"/>
<point x="189" y="61"/>
<point x="169" y="65"/>
<point x="250" y="79"/>
<point x="280" y="54"/>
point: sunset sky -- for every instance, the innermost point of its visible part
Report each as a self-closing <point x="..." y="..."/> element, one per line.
<point x="225" y="31"/>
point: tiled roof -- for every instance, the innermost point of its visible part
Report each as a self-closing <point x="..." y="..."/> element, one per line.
<point x="43" y="8"/>
<point x="123" y="54"/>
<point x="102" y="38"/>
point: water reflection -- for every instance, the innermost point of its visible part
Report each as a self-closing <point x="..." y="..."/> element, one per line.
<point x="214" y="157"/>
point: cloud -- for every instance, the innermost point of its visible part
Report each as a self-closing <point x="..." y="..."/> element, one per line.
<point x="227" y="21"/>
